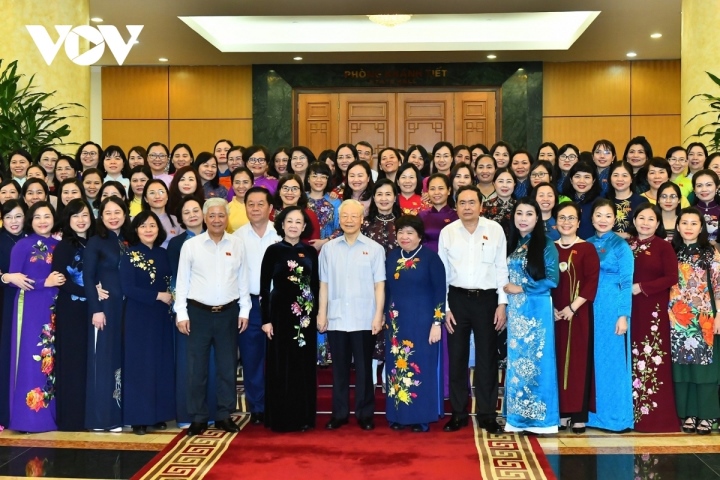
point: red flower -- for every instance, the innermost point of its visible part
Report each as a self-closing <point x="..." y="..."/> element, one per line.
<point x="683" y="313"/>
<point x="408" y="263"/>
<point x="394" y="341"/>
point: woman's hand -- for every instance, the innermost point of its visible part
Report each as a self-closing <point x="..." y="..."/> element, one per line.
<point x="565" y="314"/>
<point x="165" y="297"/>
<point x="621" y="325"/>
<point x="98" y="320"/>
<point x="425" y="197"/>
<point x="636" y="289"/>
<point x="55" y="279"/>
<point x="20" y="280"/>
<point x="102" y="294"/>
<point x="268" y="329"/>
<point x="623" y="235"/>
<point x="435" y="334"/>
<point x="512" y="289"/>
<point x="716" y="326"/>
<point x="318" y="243"/>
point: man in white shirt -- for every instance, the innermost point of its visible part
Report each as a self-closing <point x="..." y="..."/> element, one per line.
<point x="474" y="252"/>
<point x="352" y="296"/>
<point x="257" y="236"/>
<point x="212" y="303"/>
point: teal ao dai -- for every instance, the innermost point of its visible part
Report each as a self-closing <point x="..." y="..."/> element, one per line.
<point x="531" y="386"/>
<point x="613" y="361"/>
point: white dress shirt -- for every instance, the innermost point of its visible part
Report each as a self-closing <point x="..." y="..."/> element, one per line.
<point x="475" y="261"/>
<point x="213" y="274"/>
<point x="255" y="247"/>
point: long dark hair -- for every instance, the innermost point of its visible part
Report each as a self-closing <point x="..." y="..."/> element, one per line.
<point x="174" y="194"/>
<point x="435" y="149"/>
<point x="536" y="245"/>
<point x="272" y="171"/>
<point x="68" y="181"/>
<point x="205" y="157"/>
<point x="367" y="194"/>
<point x="425" y="170"/>
<point x="703" y="240"/>
<point x="74" y="207"/>
<point x="418" y="176"/>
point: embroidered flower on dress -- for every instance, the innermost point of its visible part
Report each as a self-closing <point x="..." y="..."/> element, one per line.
<point x="137" y="259"/>
<point x="304" y="303"/>
<point x="402" y="376"/>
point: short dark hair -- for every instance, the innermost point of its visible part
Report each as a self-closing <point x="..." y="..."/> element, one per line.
<point x="703" y="239"/>
<point x="31" y="211"/>
<point x="366" y="144"/>
<point x="263" y="190"/>
<point x="319" y="168"/>
<point x="614" y="166"/>
<point x="552" y="147"/>
<point x="203" y="158"/>
<point x="448" y="184"/>
<point x="181" y="205"/>
<point x="411" y="221"/>
<point x="472" y="188"/>
<point x="675" y="188"/>
<point x="280" y="218"/>
<point x="347" y="192"/>
<point x="78" y="153"/>
<point x="141" y="218"/>
<point x="10" y="205"/>
<point x="302" y="199"/>
<point x="32" y="181"/>
<point x="74" y="207"/>
<point x="642" y="141"/>
<point x="109" y="151"/>
<point x="171" y="168"/>
<point x="418" y="175"/>
<point x="117" y="185"/>
<point x="660" y="232"/>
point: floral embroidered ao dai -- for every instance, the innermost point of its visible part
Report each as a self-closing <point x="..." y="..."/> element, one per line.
<point x="694" y="358"/>
<point x="613" y="362"/>
<point x="32" y="361"/>
<point x="711" y="212"/>
<point x="656" y="271"/>
<point x="531" y="385"/>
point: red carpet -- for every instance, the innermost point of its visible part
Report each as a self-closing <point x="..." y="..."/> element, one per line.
<point x="349" y="453"/>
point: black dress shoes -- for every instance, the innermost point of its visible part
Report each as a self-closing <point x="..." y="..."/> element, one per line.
<point x="257" y="418"/>
<point x="139" y="429"/>
<point x="397" y="426"/>
<point x="227" y="425"/>
<point x="196" y="428"/>
<point x="490" y="425"/>
<point x="455" y="424"/>
<point x="336" y="423"/>
<point x="366" y="423"/>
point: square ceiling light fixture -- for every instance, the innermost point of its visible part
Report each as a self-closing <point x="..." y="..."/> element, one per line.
<point x="355" y="33"/>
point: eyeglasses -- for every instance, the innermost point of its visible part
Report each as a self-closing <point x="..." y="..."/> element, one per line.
<point x="565" y="219"/>
<point x="677" y="160"/>
<point x="254" y="161"/>
<point x="89" y="154"/>
<point x="668" y="197"/>
<point x="602" y="152"/>
<point x="287" y="189"/>
<point x="572" y="156"/>
<point x="157" y="156"/>
<point x="538" y="174"/>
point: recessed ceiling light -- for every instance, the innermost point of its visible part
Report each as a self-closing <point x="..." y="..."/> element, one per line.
<point x="491" y="57"/>
<point x="297" y="58"/>
<point x="656" y="35"/>
<point x="631" y="54"/>
<point x="96" y="19"/>
<point x="163" y="59"/>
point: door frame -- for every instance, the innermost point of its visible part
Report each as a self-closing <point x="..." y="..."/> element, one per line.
<point x="449" y="89"/>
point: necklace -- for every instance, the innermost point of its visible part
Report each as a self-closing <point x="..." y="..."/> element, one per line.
<point x="385" y="218"/>
<point x="561" y="245"/>
<point x="402" y="253"/>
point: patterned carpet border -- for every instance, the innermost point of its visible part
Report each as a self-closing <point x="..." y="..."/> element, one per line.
<point x="511" y="456"/>
<point x="190" y="458"/>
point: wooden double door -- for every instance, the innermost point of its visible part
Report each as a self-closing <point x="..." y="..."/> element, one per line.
<point x="395" y="119"/>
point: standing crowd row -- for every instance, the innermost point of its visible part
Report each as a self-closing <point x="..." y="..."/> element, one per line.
<point x="595" y="276"/>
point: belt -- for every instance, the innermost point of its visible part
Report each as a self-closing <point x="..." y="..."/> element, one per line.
<point x="210" y="308"/>
<point x="469" y="292"/>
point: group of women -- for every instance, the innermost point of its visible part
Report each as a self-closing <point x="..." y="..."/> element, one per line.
<point x="613" y="276"/>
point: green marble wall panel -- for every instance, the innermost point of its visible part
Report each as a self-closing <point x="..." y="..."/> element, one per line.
<point x="521" y="92"/>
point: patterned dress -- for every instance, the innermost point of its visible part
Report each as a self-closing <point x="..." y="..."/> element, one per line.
<point x="531" y="386"/>
<point x="692" y="314"/>
<point x="499" y="211"/>
<point x="711" y="212"/>
<point x="623" y="211"/>
<point x="32" y="360"/>
<point x="656" y="272"/>
<point x="413" y="205"/>
<point x="414" y="298"/>
<point x="579" y="273"/>
<point x="382" y="230"/>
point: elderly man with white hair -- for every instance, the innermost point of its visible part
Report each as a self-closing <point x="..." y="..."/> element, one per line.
<point x="352" y="294"/>
<point x="212" y="304"/>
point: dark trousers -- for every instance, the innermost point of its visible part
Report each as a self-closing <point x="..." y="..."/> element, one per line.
<point x="218" y="330"/>
<point x="252" y="351"/>
<point x="474" y="313"/>
<point x="346" y="346"/>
